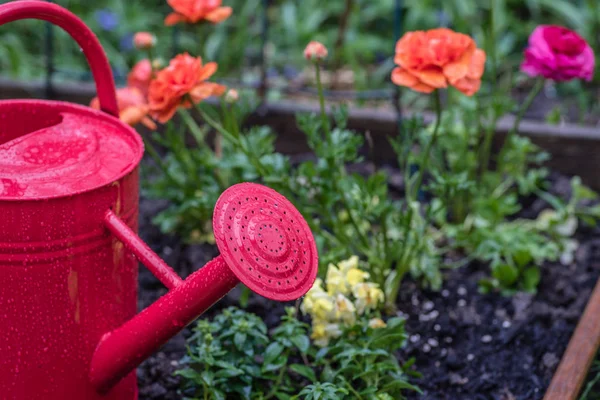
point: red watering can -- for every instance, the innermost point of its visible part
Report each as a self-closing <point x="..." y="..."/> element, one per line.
<point x="69" y="249"/>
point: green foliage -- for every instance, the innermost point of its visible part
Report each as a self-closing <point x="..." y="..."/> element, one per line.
<point x="234" y="356"/>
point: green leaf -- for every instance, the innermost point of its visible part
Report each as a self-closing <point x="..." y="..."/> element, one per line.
<point x="272" y="352"/>
<point x="506" y="274"/>
<point x="302" y="342"/>
<point x="304" y="371"/>
<point x="531" y="279"/>
<point x="239" y="339"/>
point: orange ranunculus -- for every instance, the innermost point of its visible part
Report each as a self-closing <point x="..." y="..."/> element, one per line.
<point x="140" y="76"/>
<point x="133" y="108"/>
<point x="193" y="11"/>
<point x="437" y="58"/>
<point x="182" y="83"/>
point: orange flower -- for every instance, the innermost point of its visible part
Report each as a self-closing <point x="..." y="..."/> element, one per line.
<point x="182" y="83"/>
<point x="315" y="51"/>
<point x="133" y="108"/>
<point x="140" y="76"/>
<point x="144" y="40"/>
<point x="193" y="11"/>
<point x="437" y="58"/>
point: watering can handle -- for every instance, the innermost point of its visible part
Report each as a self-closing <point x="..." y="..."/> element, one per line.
<point x="36" y="9"/>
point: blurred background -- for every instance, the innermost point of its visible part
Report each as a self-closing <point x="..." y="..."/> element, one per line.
<point x="261" y="44"/>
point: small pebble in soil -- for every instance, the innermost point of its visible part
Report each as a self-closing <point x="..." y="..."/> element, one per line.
<point x="462" y="291"/>
<point x="445" y="293"/>
<point x="429" y="317"/>
<point x="462" y="303"/>
<point x="426" y="348"/>
<point x="428" y="306"/>
<point x="432" y="342"/>
<point x="415" y="338"/>
<point x="415" y="300"/>
<point x="448" y="339"/>
<point x="486" y="339"/>
<point x="470" y="357"/>
<point x="550" y="360"/>
<point x="437" y="327"/>
<point x="443" y="352"/>
<point x="506" y="324"/>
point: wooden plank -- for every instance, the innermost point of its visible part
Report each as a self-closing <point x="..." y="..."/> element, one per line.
<point x="572" y="371"/>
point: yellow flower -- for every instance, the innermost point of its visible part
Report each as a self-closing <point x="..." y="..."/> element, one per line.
<point x="308" y="303"/>
<point x="322" y="332"/>
<point x="345" y="310"/>
<point x="336" y="282"/>
<point x="376" y="323"/>
<point x="356" y="276"/>
<point x="348" y="264"/>
<point x="323" y="307"/>
<point x="368" y="296"/>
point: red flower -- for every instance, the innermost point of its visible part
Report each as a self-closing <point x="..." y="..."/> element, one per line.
<point x="140" y="76"/>
<point x="559" y="54"/>
<point x="194" y="11"/>
<point x="315" y="51"/>
<point x="133" y="108"/>
<point x="144" y="40"/>
<point x="436" y="58"/>
<point x="181" y="84"/>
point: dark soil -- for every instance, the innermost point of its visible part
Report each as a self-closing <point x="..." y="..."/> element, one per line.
<point x="467" y="345"/>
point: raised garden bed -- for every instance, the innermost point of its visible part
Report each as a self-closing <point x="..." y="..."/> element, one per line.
<point x="465" y="343"/>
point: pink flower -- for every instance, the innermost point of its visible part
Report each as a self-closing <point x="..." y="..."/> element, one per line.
<point x="559" y="54"/>
<point x="315" y="51"/>
<point x="144" y="40"/>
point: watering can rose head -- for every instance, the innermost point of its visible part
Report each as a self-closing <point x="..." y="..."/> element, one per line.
<point x="559" y="54"/>
<point x="434" y="59"/>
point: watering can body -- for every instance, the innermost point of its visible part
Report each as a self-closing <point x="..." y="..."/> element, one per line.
<point x="65" y="282"/>
<point x="69" y="249"/>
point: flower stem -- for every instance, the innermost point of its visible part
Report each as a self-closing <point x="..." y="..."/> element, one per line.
<point x="332" y="162"/>
<point x="539" y="84"/>
<point x="411" y="196"/>
<point x="254" y="160"/>
<point x="325" y="120"/>
<point x="434" y="136"/>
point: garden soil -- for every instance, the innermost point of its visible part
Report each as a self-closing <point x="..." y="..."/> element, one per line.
<point x="467" y="345"/>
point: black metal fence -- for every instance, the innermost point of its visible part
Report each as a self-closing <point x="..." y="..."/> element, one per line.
<point x="262" y="86"/>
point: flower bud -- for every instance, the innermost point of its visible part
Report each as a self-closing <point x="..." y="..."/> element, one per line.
<point x="232" y="96"/>
<point x="144" y="40"/>
<point x="315" y="51"/>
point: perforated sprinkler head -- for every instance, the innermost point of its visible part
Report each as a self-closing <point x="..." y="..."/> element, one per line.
<point x="265" y="241"/>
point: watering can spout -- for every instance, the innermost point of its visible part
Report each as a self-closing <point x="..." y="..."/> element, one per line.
<point x="264" y="243"/>
<point x="122" y="350"/>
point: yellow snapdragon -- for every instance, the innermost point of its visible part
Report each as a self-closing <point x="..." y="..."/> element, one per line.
<point x="368" y="296"/>
<point x="348" y="296"/>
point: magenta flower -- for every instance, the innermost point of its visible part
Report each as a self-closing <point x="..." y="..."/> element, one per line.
<point x="559" y="54"/>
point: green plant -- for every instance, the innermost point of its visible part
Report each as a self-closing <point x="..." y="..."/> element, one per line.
<point x="234" y="356"/>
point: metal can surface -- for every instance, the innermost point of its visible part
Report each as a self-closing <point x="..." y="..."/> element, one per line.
<point x="64" y="279"/>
